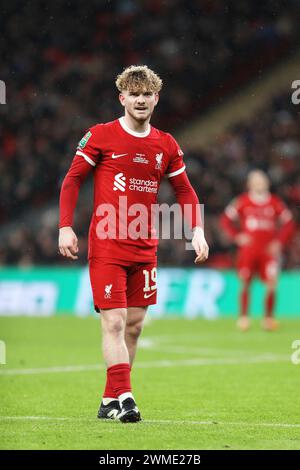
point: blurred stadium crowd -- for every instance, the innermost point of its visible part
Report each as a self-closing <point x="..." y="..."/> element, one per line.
<point x="61" y="60"/>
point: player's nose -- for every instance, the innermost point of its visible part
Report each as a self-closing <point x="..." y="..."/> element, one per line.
<point x="141" y="99"/>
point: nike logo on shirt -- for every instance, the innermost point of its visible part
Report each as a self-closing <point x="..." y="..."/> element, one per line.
<point x="118" y="156"/>
<point x="146" y="296"/>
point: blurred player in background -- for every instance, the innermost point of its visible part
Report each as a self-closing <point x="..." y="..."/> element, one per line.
<point x="260" y="224"/>
<point x="129" y="158"/>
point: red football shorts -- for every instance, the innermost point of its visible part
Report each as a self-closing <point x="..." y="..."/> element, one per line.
<point x="254" y="261"/>
<point x="122" y="284"/>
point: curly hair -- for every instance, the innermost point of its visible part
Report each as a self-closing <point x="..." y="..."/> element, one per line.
<point x="137" y="78"/>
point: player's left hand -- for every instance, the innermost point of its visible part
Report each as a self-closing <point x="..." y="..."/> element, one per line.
<point x="200" y="245"/>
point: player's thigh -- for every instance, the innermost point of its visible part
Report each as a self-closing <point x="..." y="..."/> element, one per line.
<point x="109" y="283"/>
<point x="142" y="285"/>
<point x="246" y="264"/>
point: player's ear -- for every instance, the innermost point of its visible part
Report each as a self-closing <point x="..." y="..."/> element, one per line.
<point x="122" y="99"/>
<point x="156" y="98"/>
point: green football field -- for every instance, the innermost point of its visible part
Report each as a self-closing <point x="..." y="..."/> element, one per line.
<point x="199" y="385"/>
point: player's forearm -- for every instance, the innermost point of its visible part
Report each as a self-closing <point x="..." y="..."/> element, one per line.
<point x="70" y="191"/>
<point x="188" y="200"/>
<point x="67" y="201"/>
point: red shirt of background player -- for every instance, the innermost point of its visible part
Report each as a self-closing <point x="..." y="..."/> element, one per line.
<point x="262" y="223"/>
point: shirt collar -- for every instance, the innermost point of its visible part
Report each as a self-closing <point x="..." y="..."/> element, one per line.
<point x="130" y="131"/>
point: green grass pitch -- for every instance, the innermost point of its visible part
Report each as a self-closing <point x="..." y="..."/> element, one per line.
<point x="199" y="385"/>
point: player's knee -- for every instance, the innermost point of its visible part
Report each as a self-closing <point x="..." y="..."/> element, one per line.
<point x="271" y="284"/>
<point x="134" y="329"/>
<point x="113" y="323"/>
<point x="246" y="285"/>
<point x="115" y="327"/>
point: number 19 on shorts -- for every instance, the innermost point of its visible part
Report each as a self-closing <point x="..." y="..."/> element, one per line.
<point x="150" y="277"/>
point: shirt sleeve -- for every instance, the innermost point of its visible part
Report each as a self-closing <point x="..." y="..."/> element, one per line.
<point x="231" y="217"/>
<point x="232" y="211"/>
<point x="283" y="213"/>
<point x="188" y="200"/>
<point x="89" y="146"/>
<point x="176" y="164"/>
<point x="285" y="218"/>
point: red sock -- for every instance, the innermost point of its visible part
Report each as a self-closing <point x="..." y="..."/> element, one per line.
<point x="244" y="301"/>
<point x="269" y="305"/>
<point x="109" y="391"/>
<point x="119" y="378"/>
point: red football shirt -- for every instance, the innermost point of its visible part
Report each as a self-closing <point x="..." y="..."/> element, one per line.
<point x="131" y="164"/>
<point x="262" y="221"/>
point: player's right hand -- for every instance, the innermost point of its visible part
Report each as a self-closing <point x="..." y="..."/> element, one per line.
<point x="242" y="239"/>
<point x="68" y="243"/>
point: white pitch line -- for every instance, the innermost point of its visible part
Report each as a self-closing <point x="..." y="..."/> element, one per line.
<point x="51" y="370"/>
<point x="160" y="343"/>
<point x="34" y="418"/>
<point x="155" y="421"/>
<point x="189" y="350"/>
<point x="155" y="345"/>
<point x="217" y="423"/>
<point x="265" y="358"/>
<point x="212" y="361"/>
